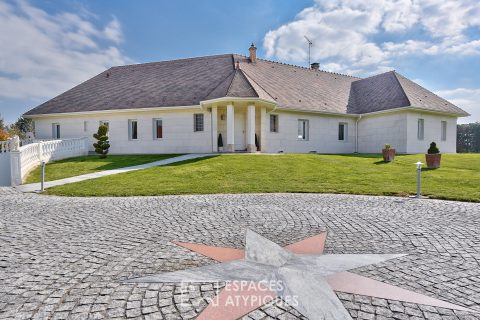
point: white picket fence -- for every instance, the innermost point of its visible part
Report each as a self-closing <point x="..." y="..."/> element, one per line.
<point x="17" y="161"/>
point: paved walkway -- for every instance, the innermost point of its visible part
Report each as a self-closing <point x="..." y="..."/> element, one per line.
<point x="36" y="187"/>
<point x="68" y="258"/>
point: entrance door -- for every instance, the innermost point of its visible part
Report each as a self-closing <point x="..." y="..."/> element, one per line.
<point x="240" y="131"/>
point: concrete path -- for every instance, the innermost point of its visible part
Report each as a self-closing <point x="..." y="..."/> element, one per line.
<point x="36" y="187"/>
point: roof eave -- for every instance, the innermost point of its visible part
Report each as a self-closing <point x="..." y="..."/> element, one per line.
<point x="413" y="108"/>
<point x="146" y="109"/>
<point x="237" y="99"/>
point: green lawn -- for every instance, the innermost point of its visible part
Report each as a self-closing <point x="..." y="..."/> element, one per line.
<point x="457" y="179"/>
<point x="88" y="164"/>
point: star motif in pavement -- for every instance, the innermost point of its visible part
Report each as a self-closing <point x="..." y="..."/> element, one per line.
<point x="306" y="276"/>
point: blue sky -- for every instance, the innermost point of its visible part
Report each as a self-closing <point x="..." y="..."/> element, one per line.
<point x="49" y="46"/>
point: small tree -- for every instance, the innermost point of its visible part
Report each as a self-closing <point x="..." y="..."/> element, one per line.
<point x="102" y="145"/>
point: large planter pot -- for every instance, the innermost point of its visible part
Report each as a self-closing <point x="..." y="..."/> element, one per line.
<point x="433" y="160"/>
<point x="388" y="154"/>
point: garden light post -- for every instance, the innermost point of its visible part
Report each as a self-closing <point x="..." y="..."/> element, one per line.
<point x="43" y="176"/>
<point x="419" y="171"/>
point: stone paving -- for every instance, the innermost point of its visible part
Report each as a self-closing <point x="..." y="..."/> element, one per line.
<point x="67" y="258"/>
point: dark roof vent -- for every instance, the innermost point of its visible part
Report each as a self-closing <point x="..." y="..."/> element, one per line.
<point x="315" y="66"/>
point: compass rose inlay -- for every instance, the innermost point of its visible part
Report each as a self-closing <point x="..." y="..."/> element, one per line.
<point x="308" y="277"/>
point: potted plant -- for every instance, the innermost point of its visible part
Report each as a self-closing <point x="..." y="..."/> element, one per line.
<point x="220" y="143"/>
<point x="433" y="156"/>
<point x="388" y="153"/>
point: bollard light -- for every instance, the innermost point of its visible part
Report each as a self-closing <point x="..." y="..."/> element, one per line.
<point x="43" y="176"/>
<point x="419" y="171"/>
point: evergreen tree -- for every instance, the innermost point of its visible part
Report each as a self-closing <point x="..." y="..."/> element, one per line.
<point x="102" y="145"/>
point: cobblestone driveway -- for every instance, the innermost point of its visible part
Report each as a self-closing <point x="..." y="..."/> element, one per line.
<point x="66" y="257"/>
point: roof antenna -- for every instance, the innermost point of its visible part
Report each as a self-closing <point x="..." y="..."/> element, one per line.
<point x="310" y="44"/>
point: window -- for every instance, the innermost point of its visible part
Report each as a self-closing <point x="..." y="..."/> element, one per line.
<point x="302" y="129"/>
<point x="198" y="122"/>
<point x="342" y="131"/>
<point x="85" y="127"/>
<point x="56" y="131"/>
<point x="273" y="123"/>
<point x="444" y="130"/>
<point x="157" y="129"/>
<point x="421" y="129"/>
<point x="133" y="129"/>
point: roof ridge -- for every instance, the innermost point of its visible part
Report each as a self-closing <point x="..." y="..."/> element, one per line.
<point x="220" y="83"/>
<point x="240" y="71"/>
<point x="376" y="75"/>
<point x="403" y="90"/>
<point x="249" y="79"/>
<point x="401" y="75"/>
<point x="174" y="60"/>
<point x="300" y="67"/>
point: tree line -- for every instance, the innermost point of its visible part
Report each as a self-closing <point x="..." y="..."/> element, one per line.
<point x="468" y="137"/>
<point x="18" y="128"/>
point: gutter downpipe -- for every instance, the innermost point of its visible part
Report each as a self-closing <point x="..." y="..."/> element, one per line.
<point x="356" y="132"/>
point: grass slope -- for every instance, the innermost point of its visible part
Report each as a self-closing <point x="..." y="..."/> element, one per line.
<point x="81" y="165"/>
<point x="458" y="179"/>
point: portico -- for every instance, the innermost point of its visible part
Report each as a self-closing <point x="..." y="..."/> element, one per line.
<point x="241" y="125"/>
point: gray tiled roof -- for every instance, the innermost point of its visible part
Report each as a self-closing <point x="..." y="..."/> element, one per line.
<point x="391" y="90"/>
<point x="187" y="82"/>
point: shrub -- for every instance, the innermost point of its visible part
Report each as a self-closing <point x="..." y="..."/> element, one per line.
<point x="387" y="146"/>
<point x="3" y="135"/>
<point x="102" y="145"/>
<point x="220" y="140"/>
<point x="433" y="148"/>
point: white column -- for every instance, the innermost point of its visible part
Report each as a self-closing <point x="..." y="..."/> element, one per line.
<point x="214" y="129"/>
<point x="263" y="129"/>
<point x="230" y="128"/>
<point x="15" y="168"/>
<point x="251" y="129"/>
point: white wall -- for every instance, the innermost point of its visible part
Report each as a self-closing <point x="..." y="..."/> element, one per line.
<point x="399" y="129"/>
<point x="323" y="134"/>
<point x="432" y="133"/>
<point x="178" y="134"/>
<point x="377" y="130"/>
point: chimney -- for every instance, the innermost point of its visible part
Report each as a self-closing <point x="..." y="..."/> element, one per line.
<point x="315" y="66"/>
<point x="253" y="53"/>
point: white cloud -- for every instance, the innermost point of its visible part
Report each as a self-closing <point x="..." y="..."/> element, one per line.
<point x="346" y="32"/>
<point x="43" y="54"/>
<point x="467" y="99"/>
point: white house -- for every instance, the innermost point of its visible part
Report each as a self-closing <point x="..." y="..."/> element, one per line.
<point x="183" y="106"/>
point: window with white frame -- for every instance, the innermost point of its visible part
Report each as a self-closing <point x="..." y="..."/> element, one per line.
<point x="302" y="129"/>
<point x="85" y="126"/>
<point x="444" y="130"/>
<point x="56" y="131"/>
<point x="157" y="129"/>
<point x="274" y="123"/>
<point x="420" y="129"/>
<point x="198" y="122"/>
<point x="342" y="131"/>
<point x="133" y="129"/>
